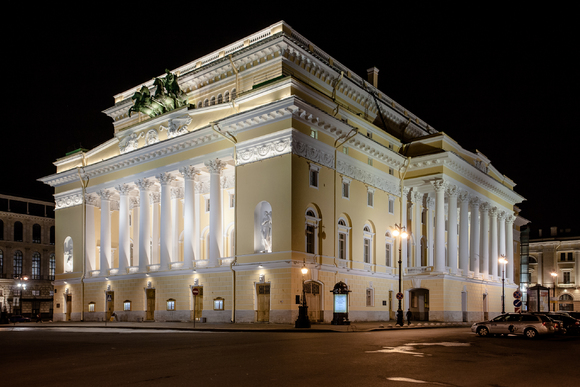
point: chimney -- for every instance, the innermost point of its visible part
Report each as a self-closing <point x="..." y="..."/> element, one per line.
<point x="373" y="76"/>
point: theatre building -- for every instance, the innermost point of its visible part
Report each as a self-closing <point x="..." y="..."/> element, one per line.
<point x="228" y="175"/>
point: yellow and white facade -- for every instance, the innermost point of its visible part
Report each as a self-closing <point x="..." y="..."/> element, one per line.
<point x="283" y="159"/>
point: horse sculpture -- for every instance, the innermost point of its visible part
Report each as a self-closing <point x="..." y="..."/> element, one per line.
<point x="168" y="96"/>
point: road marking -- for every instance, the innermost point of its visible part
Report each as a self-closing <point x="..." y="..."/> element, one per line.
<point x="409" y="348"/>
<point x="400" y="379"/>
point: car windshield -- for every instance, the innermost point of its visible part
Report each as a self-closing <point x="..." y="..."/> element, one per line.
<point x="544" y="318"/>
<point x="500" y="318"/>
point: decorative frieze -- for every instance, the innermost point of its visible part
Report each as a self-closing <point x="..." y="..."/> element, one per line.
<point x="71" y="200"/>
<point x="177" y="126"/>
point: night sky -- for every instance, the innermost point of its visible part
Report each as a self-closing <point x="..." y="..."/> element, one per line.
<point x="502" y="80"/>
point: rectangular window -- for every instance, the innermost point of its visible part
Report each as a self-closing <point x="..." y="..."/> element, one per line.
<point x="571" y="257"/>
<point x="369" y="297"/>
<point x="218" y="304"/>
<point x="370" y="198"/>
<point x="370" y="161"/>
<point x="207" y="205"/>
<point x="92" y="307"/>
<point x="346" y="189"/>
<point x="232" y="200"/>
<point x="127" y="305"/>
<point x="369" y="134"/>
<point x="391" y="206"/>
<point x="562" y="257"/>
<point x="314" y="133"/>
<point x="341" y="245"/>
<point x="36" y="292"/>
<point x="391" y="171"/>
<point x="388" y="254"/>
<point x="566" y="277"/>
<point x="314" y="178"/>
<point x="345" y="150"/>
<point x="170" y="305"/>
<point x="309" y="239"/>
<point x="367" y="250"/>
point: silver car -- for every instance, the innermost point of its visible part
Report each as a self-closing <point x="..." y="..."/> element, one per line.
<point x="527" y="324"/>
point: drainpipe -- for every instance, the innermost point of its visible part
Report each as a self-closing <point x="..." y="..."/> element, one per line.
<point x="228" y="136"/>
<point x="334" y="91"/>
<point x="84" y="184"/>
<point x="237" y="83"/>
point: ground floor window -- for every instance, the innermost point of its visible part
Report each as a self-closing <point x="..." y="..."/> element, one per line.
<point x="91" y="306"/>
<point x="127" y="306"/>
<point x="218" y="304"/>
<point x="171" y="304"/>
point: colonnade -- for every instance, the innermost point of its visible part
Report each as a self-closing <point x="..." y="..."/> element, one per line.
<point x="155" y="217"/>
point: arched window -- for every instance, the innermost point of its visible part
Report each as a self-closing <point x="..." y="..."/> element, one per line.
<point x="343" y="239"/>
<point x="1" y="230"/>
<point x="68" y="255"/>
<point x="17" y="264"/>
<point x="52" y="238"/>
<point x="220" y="98"/>
<point x="227" y="96"/>
<point x="212" y="102"/>
<point x="127" y="306"/>
<point x="36" y="265"/>
<point x="566" y="302"/>
<point x="18" y="232"/>
<point x="36" y="233"/>
<point x="311" y="237"/>
<point x="1" y="264"/>
<point x="199" y="104"/>
<point x="234" y="94"/>
<point x="171" y="304"/>
<point x="51" y="267"/>
<point x="367" y="244"/>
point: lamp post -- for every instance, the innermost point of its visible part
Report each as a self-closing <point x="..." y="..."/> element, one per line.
<point x="22" y="286"/>
<point x="401" y="232"/>
<point x="503" y="262"/>
<point x="554" y="276"/>
<point x="303" y="321"/>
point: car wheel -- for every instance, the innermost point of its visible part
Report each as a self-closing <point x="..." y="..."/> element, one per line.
<point x="483" y="331"/>
<point x="530" y="333"/>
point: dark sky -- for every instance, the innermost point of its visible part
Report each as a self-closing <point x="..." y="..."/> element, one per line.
<point x="502" y="80"/>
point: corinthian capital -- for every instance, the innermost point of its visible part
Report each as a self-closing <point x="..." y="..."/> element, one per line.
<point x="452" y="190"/>
<point x="484" y="207"/>
<point x="105" y="194"/>
<point x="510" y="219"/>
<point x="124" y="189"/>
<point x="215" y="166"/>
<point x="463" y="196"/>
<point x="189" y="172"/>
<point x="144" y="184"/>
<point x="165" y="178"/>
<point x="439" y="185"/>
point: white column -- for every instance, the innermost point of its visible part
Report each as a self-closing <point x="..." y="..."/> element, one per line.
<point x="135" y="228"/>
<point x="464" y="232"/>
<point x="91" y="240"/>
<point x="215" y="211"/>
<point x="189" y="215"/>
<point x="475" y="234"/>
<point x="439" y="186"/>
<point x="165" y="227"/>
<point x="494" y="251"/>
<point x="124" y="229"/>
<point x="155" y="198"/>
<point x="484" y="239"/>
<point x="430" y="204"/>
<point x="510" y="247"/>
<point x="404" y="256"/>
<point x="105" y="254"/>
<point x="501" y="233"/>
<point x="144" y="259"/>
<point x="197" y="220"/>
<point x="176" y="195"/>
<point x="452" y="227"/>
<point x="417" y="200"/>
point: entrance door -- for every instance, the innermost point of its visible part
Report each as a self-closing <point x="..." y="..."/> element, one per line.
<point x="313" y="300"/>
<point x="150" y="313"/>
<point x="420" y="304"/>
<point x="263" y="293"/>
<point x="110" y="305"/>
<point x="68" y="306"/>
<point x="198" y="303"/>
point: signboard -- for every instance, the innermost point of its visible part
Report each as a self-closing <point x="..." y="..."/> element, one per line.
<point x="340" y="304"/>
<point x="109" y="298"/>
<point x="517" y="310"/>
<point x="544" y="304"/>
<point x="517" y="303"/>
<point x="399" y="296"/>
<point x="195" y="291"/>
<point x="517" y="294"/>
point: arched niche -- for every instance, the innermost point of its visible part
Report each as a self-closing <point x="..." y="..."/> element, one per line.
<point x="263" y="228"/>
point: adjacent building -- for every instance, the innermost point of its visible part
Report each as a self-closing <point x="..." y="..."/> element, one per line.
<point x="226" y="176"/>
<point x="27" y="259"/>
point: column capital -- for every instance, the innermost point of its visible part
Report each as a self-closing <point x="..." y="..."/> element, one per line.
<point x="510" y="219"/>
<point x="189" y="172"/>
<point x="501" y="215"/>
<point x="463" y="196"/>
<point x="154" y="197"/>
<point x="429" y="202"/>
<point x="144" y="184"/>
<point x="452" y="190"/>
<point x="484" y="207"/>
<point x="215" y="166"/>
<point x="105" y="194"/>
<point x="92" y="200"/>
<point x="228" y="182"/>
<point x="177" y="193"/>
<point x="493" y="212"/>
<point x="134" y="202"/>
<point x="124" y="189"/>
<point x="165" y="178"/>
<point x="475" y="202"/>
<point x="439" y="185"/>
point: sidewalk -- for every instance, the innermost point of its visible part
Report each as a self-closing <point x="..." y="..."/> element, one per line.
<point x="361" y="326"/>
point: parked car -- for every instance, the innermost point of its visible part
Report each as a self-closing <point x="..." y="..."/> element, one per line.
<point x="576" y="315"/>
<point x="527" y="324"/>
<point x="571" y="324"/>
<point x="19" y="318"/>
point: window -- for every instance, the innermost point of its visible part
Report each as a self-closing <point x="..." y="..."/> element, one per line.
<point x="18" y="234"/>
<point x="171" y="304"/>
<point x="1" y="230"/>
<point x="314" y="170"/>
<point x="345" y="188"/>
<point x="36" y="292"/>
<point x="234" y="94"/>
<point x="370" y="197"/>
<point x="391" y="205"/>
<point x="212" y="101"/>
<point x="199" y="104"/>
<point x="232" y="200"/>
<point x="36" y="231"/>
<point x="227" y="96"/>
<point x="370" y="161"/>
<point x="343" y="232"/>
<point x="311" y="231"/>
<point x="369" y="134"/>
<point x="391" y="171"/>
<point x="345" y="150"/>
<point x="389" y="251"/>
<point x="314" y="133"/>
<point x="566" y="277"/>
<point x="370" y="297"/>
<point x="52" y="238"/>
<point x="1" y="264"/>
<point x="91" y="306"/>
<point x="218" y="303"/>
<point x="127" y="306"/>
<point x="220" y="98"/>
<point x="367" y="244"/>
<point x="207" y="204"/>
<point x="17" y="264"/>
<point x="51" y="267"/>
<point x="36" y="265"/>
<point x="206" y="103"/>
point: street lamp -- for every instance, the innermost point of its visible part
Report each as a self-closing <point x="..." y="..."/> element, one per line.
<point x="401" y="232"/>
<point x="503" y="262"/>
<point x="554" y="275"/>
<point x="22" y="287"/>
<point x="303" y="321"/>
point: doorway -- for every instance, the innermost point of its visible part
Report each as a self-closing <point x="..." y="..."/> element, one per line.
<point x="68" y="306"/>
<point x="419" y="304"/>
<point x="198" y="304"/>
<point x="485" y="310"/>
<point x="110" y="305"/>
<point x="263" y="302"/>
<point x="150" y="313"/>
<point x="313" y="300"/>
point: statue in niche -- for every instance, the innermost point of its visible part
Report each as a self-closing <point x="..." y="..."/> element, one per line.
<point x="68" y="256"/>
<point x="168" y="96"/>
<point x="267" y="231"/>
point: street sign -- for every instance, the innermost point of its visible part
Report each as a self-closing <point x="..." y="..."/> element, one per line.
<point x="517" y="294"/>
<point x="517" y="310"/>
<point x="195" y="291"/>
<point x="399" y="296"/>
<point x="518" y="303"/>
<point x="109" y="298"/>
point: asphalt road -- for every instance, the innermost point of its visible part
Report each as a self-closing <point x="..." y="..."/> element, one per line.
<point x="436" y="357"/>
